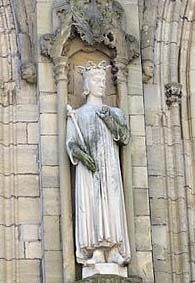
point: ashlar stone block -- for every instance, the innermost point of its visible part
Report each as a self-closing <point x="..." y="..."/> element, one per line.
<point x="48" y="102"/>
<point x="50" y="176"/>
<point x="160" y="241"/>
<point x="141" y="202"/>
<point x="52" y="233"/>
<point x="157" y="186"/>
<point x="53" y="261"/>
<point x="49" y="150"/>
<point x="158" y="211"/>
<point x="49" y="124"/>
<point x="138" y="150"/>
<point x="27" y="159"/>
<point x="135" y="79"/>
<point x="27" y="113"/>
<point x="28" y="185"/>
<point x="104" y="268"/>
<point x="33" y="133"/>
<point x="143" y="235"/>
<point x="21" y="133"/>
<point x="164" y="277"/>
<point x="44" y="19"/>
<point x="51" y="199"/>
<point x="137" y="125"/>
<point x="46" y="85"/>
<point x="33" y="250"/>
<point x="136" y="105"/>
<point x="145" y="266"/>
<point x="29" y="271"/>
<point x="29" y="211"/>
<point x="140" y="177"/>
<point x="29" y="233"/>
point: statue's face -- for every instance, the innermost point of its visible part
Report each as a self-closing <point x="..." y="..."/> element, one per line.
<point x="148" y="69"/>
<point x="97" y="84"/>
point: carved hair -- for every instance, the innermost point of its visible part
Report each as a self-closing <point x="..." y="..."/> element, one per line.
<point x="86" y="90"/>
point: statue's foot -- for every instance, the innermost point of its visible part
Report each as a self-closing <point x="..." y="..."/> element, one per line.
<point x="118" y="259"/>
<point x="115" y="257"/>
<point x="89" y="262"/>
<point x="98" y="256"/>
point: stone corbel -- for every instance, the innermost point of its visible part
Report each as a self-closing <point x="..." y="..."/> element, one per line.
<point x="29" y="73"/>
<point x="102" y="278"/>
<point x="148" y="71"/>
<point x="46" y="43"/>
<point x="173" y="92"/>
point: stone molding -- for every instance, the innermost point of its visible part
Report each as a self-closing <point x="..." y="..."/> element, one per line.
<point x="100" y="278"/>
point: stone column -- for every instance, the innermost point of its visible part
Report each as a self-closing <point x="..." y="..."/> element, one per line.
<point x="179" y="225"/>
<point x="122" y="78"/>
<point x="60" y="70"/>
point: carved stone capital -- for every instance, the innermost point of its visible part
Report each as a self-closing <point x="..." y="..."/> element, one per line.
<point x="111" y="279"/>
<point x="173" y="92"/>
<point x="60" y="69"/>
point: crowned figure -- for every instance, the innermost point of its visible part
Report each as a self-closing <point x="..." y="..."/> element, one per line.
<point x="94" y="134"/>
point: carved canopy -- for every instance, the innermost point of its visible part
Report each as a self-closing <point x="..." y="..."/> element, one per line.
<point x="94" y="22"/>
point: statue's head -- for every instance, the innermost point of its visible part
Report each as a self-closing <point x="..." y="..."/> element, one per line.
<point x="94" y="78"/>
<point x="148" y="70"/>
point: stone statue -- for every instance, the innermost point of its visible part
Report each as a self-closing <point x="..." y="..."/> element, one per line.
<point x="94" y="133"/>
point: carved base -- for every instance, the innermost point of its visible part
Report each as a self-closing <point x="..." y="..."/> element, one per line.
<point x="104" y="268"/>
<point x="110" y="278"/>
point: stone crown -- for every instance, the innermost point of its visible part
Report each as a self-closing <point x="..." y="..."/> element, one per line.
<point x="92" y="67"/>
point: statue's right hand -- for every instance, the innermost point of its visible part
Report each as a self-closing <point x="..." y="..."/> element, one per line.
<point x="89" y="162"/>
<point x="84" y="157"/>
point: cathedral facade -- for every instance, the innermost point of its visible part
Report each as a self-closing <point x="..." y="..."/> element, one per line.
<point x="150" y="45"/>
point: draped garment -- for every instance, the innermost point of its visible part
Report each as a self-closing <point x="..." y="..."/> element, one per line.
<point x="99" y="200"/>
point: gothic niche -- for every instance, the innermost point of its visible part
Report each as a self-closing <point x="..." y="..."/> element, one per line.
<point x="99" y="25"/>
<point x="90" y="31"/>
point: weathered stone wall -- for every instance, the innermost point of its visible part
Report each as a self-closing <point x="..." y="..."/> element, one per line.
<point x="20" y="210"/>
<point x="166" y="44"/>
<point x="160" y="196"/>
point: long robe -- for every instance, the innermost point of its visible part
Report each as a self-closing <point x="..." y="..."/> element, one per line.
<point x="100" y="208"/>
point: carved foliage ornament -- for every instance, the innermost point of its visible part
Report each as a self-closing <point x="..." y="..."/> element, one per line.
<point x="173" y="92"/>
<point x="94" y="22"/>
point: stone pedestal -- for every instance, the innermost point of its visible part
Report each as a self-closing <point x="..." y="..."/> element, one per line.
<point x="110" y="278"/>
<point x="104" y="268"/>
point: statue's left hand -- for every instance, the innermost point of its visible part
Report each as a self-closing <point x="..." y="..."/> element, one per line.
<point x="119" y="131"/>
<point x="104" y="113"/>
<point x="106" y="116"/>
